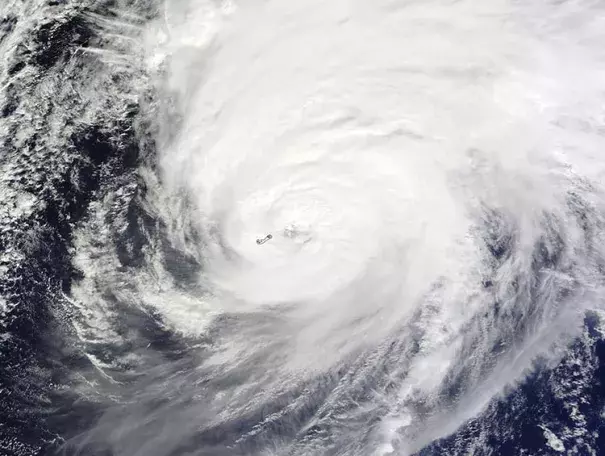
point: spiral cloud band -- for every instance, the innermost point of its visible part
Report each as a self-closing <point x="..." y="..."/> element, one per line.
<point x="429" y="176"/>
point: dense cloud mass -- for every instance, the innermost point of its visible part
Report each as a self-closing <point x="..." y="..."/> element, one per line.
<point x="341" y="228"/>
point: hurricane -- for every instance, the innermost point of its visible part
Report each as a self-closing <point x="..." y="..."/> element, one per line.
<point x="338" y="228"/>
